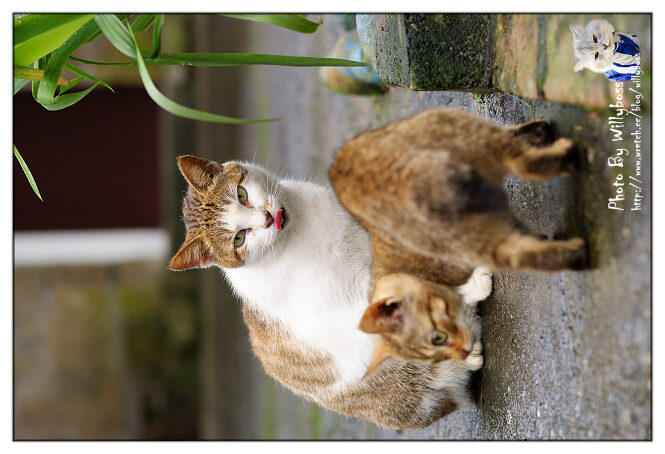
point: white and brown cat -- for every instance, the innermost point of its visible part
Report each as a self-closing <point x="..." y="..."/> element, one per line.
<point x="302" y="267"/>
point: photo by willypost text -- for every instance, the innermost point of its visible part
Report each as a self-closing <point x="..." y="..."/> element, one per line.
<point x="628" y="156"/>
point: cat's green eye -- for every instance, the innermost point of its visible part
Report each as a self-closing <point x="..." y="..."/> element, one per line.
<point x="242" y="195"/>
<point x="595" y="40"/>
<point x="239" y="240"/>
<point x="439" y="337"/>
<point x="596" y="56"/>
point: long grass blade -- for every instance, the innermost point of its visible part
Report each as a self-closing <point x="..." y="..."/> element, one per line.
<point x="122" y="17"/>
<point x="65" y="100"/>
<point x="222" y="59"/>
<point x="19" y="83"/>
<point x="35" y="37"/>
<point x="28" y="174"/>
<point x="142" y="22"/>
<point x="295" y="22"/>
<point x="107" y="63"/>
<point x="208" y="59"/>
<point x="157" y="36"/>
<point x="116" y="33"/>
<point x="72" y="84"/>
<point x="80" y="72"/>
<point x="41" y="63"/>
<point x="175" y="108"/>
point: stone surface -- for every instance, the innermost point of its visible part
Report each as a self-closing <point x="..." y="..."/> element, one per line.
<point x="529" y="55"/>
<point x="434" y="51"/>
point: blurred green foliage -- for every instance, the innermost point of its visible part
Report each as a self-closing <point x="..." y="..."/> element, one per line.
<point x="44" y="43"/>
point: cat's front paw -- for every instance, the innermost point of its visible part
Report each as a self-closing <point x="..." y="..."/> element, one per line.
<point x="478" y="287"/>
<point x="475" y="360"/>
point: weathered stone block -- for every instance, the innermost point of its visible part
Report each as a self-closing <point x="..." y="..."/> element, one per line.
<point x="430" y="51"/>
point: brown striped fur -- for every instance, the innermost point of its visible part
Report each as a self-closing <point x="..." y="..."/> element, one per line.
<point x="393" y="397"/>
<point x="294" y="364"/>
<point x="211" y="187"/>
<point x="428" y="191"/>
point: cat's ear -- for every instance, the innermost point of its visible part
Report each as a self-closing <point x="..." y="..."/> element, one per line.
<point x="198" y="172"/>
<point x="383" y="316"/>
<point x="576" y="29"/>
<point x="381" y="353"/>
<point x="579" y="65"/>
<point x="193" y="254"/>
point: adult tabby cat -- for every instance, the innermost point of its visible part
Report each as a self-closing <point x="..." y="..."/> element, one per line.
<point x="428" y="191"/>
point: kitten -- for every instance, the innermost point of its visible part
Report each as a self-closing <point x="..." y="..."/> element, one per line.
<point x="301" y="266"/>
<point x="428" y="191"/>
<point x="421" y="320"/>
<point x="601" y="49"/>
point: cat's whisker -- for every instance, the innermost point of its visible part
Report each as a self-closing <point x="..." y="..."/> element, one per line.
<point x="255" y="150"/>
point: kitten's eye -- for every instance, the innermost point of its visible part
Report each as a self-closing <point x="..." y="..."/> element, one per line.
<point x="242" y="195"/>
<point x="239" y="240"/>
<point x="596" y="56"/>
<point x="439" y="337"/>
<point x="595" y="40"/>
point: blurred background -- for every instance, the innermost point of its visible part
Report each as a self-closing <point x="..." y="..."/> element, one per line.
<point x="108" y="344"/>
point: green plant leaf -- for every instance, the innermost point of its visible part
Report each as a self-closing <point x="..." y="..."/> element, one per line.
<point x="37" y="35"/>
<point x="206" y="59"/>
<point x="80" y="72"/>
<point x="48" y="84"/>
<point x="157" y="36"/>
<point x="108" y="63"/>
<point x="177" y="109"/>
<point x="27" y="172"/>
<point x="41" y="63"/>
<point x="122" y="17"/>
<point x="295" y="22"/>
<point x="72" y="84"/>
<point x="220" y="59"/>
<point x="19" y="83"/>
<point x="116" y="33"/>
<point x="63" y="101"/>
<point x="142" y="22"/>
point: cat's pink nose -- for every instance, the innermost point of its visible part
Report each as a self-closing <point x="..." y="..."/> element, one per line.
<point x="269" y="220"/>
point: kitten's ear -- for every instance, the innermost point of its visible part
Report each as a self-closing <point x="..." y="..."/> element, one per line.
<point x="579" y="65"/>
<point x="576" y="29"/>
<point x="381" y="353"/>
<point x="383" y="316"/>
<point x="193" y="254"/>
<point x="198" y="172"/>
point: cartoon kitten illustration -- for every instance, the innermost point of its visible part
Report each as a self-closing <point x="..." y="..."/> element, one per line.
<point x="599" y="48"/>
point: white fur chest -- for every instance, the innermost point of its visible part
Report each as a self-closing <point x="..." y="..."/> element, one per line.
<point x="318" y="283"/>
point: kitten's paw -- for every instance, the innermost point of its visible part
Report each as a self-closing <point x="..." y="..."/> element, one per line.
<point x="475" y="360"/>
<point x="478" y="287"/>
